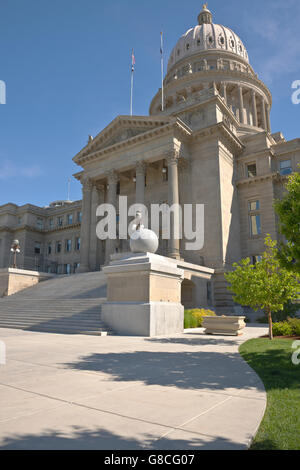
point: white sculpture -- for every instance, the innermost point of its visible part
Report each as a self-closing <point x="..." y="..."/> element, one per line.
<point x="142" y="240"/>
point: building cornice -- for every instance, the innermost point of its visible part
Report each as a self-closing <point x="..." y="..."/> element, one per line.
<point x="174" y="124"/>
<point x="252" y="156"/>
<point x="223" y="130"/>
<point x="121" y="122"/>
<point x="275" y="176"/>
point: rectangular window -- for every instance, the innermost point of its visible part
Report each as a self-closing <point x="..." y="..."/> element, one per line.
<point x="286" y="167"/>
<point x="254" y="206"/>
<point x="254" y="218"/>
<point x="79" y="217"/>
<point x="77" y="243"/>
<point x="255" y="225"/>
<point x="49" y="248"/>
<point x="251" y="170"/>
<point x="39" y="223"/>
<point x="19" y="220"/>
<point x="165" y="173"/>
<point x="37" y="248"/>
<point x="51" y="223"/>
<point x="70" y="219"/>
<point x="68" y="246"/>
<point x="58" y="247"/>
<point x="60" y="221"/>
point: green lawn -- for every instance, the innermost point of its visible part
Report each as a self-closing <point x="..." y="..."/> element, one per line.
<point x="272" y="360"/>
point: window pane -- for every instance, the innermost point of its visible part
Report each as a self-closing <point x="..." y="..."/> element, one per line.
<point x="255" y="225"/>
<point x="251" y="170"/>
<point x="286" y="167"/>
<point x="254" y="206"/>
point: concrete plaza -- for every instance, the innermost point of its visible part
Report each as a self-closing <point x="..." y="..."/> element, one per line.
<point x="187" y="392"/>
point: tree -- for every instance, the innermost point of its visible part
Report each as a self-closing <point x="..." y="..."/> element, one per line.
<point x="288" y="210"/>
<point x="266" y="285"/>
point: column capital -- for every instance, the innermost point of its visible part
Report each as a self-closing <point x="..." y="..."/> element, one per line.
<point x="172" y="157"/>
<point x="141" y="167"/>
<point x="100" y="187"/>
<point x="87" y="184"/>
<point x="112" y="177"/>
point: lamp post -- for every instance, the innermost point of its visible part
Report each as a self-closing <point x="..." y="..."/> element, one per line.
<point x="15" y="248"/>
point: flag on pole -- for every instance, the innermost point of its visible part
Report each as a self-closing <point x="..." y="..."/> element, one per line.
<point x="162" y="69"/>
<point x="132" y="61"/>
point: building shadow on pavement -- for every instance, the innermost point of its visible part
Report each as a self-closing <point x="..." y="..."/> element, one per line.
<point x="185" y="370"/>
<point x="101" y="439"/>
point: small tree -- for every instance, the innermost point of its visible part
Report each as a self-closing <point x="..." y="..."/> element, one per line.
<point x="288" y="210"/>
<point x="265" y="285"/>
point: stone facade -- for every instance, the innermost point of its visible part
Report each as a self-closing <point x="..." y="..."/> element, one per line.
<point x="49" y="237"/>
<point x="210" y="143"/>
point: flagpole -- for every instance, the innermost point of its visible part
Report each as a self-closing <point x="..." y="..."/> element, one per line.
<point x="132" y="82"/>
<point x="162" y="71"/>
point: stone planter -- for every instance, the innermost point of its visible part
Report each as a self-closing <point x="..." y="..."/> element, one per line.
<point x="231" y="326"/>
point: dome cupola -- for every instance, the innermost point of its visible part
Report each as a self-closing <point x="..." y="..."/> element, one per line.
<point x="207" y="36"/>
<point x="205" y="16"/>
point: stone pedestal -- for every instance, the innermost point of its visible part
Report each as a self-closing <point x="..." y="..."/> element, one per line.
<point x="143" y="295"/>
<point x="231" y="326"/>
<point x="15" y="280"/>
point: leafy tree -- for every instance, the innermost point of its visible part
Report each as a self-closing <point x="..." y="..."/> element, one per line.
<point x="266" y="285"/>
<point x="288" y="210"/>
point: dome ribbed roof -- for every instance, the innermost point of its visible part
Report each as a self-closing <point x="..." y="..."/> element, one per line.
<point x="205" y="37"/>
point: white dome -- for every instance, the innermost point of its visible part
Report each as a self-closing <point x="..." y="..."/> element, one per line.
<point x="205" y="37"/>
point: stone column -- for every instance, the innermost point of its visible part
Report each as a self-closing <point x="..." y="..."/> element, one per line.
<point x="85" y="225"/>
<point x="263" y="113"/>
<point x="224" y="91"/>
<point x="241" y="104"/>
<point x="173" y="196"/>
<point x="254" y="108"/>
<point x="112" y="180"/>
<point x="97" y="199"/>
<point x="140" y="182"/>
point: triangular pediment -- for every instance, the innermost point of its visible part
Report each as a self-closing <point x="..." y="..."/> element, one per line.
<point x="122" y="129"/>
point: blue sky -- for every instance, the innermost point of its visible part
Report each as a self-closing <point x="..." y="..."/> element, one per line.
<point x="66" y="64"/>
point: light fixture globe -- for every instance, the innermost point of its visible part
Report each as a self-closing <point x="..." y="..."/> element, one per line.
<point x="144" y="241"/>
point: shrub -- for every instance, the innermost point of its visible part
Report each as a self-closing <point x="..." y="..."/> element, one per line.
<point x="194" y="318"/>
<point x="290" y="311"/>
<point x="282" y="329"/>
<point x="295" y="325"/>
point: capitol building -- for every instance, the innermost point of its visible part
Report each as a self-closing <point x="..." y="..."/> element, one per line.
<point x="211" y="143"/>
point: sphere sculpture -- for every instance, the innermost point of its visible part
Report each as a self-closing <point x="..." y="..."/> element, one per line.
<point x="142" y="240"/>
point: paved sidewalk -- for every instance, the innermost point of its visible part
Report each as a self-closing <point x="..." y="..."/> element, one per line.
<point x="76" y="392"/>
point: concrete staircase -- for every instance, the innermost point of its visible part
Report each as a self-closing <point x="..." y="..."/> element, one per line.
<point x="67" y="305"/>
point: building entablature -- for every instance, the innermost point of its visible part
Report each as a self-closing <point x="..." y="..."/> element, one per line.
<point x="175" y="127"/>
<point x="122" y="128"/>
<point x="222" y="131"/>
<point x="291" y="146"/>
<point x="258" y="179"/>
<point x="263" y="153"/>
